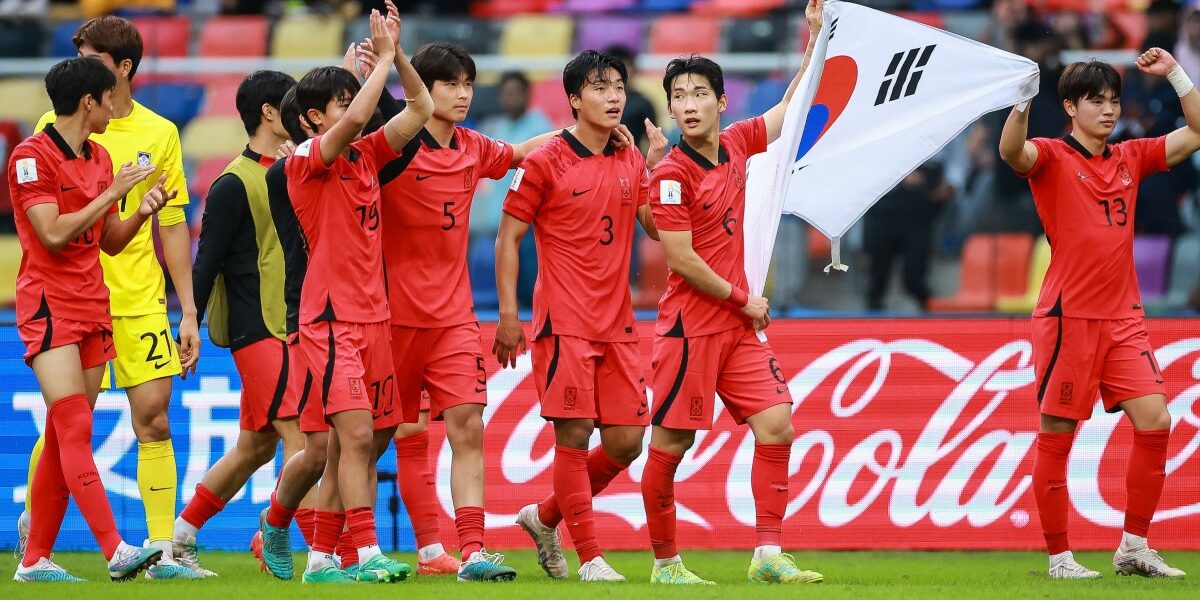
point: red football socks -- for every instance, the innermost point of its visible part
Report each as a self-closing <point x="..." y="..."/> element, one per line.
<point x="46" y="514"/>
<point x="360" y="520"/>
<point x="306" y="520"/>
<point x="574" y="494"/>
<point x="346" y="550"/>
<point x="329" y="526"/>
<point x="602" y="469"/>
<point x="769" y="483"/>
<point x="468" y="520"/>
<point x="72" y="417"/>
<point x="1050" y="488"/>
<point x="204" y="506"/>
<point x="417" y="487"/>
<point x="279" y="515"/>
<point x="658" y="495"/>
<point x="1144" y="478"/>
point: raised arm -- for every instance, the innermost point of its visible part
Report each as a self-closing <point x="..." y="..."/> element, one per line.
<point x="1015" y="149"/>
<point x="1185" y="141"/>
<point x="338" y="138"/>
<point x="774" y="115"/>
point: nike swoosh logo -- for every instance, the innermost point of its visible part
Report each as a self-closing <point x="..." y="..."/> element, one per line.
<point x="579" y="512"/>
<point x="161" y="364"/>
<point x="67" y="189"/>
<point x="578" y="193"/>
<point x="480" y="390"/>
<point x="707" y="206"/>
<point x="642" y="412"/>
<point x="154" y="489"/>
<point x="87" y="483"/>
<point x="423" y="177"/>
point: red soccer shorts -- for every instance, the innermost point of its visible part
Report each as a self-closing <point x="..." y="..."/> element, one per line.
<point x="446" y="361"/>
<point x="1076" y="358"/>
<point x="95" y="340"/>
<point x="582" y="379"/>
<point x="689" y="371"/>
<point x="273" y="379"/>
<point x="351" y="367"/>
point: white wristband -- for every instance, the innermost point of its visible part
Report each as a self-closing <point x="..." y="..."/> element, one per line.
<point x="1022" y="105"/>
<point x="1180" y="81"/>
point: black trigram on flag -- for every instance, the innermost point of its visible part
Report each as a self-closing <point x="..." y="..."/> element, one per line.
<point x="904" y="83"/>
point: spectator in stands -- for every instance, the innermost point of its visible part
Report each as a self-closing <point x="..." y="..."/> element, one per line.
<point x="1006" y="15"/>
<point x="637" y="107"/>
<point x="901" y="224"/>
<point x="1187" y="49"/>
<point x="1162" y="24"/>
<point x="516" y="123"/>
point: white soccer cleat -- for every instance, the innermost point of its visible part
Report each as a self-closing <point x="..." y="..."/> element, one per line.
<point x="22" y="534"/>
<point x="44" y="570"/>
<point x="547" y="540"/>
<point x="1067" y="568"/>
<point x="186" y="552"/>
<point x="598" y="569"/>
<point x="1145" y="562"/>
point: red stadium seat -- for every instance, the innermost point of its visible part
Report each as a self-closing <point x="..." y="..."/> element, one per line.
<point x="490" y="9"/>
<point x="242" y="36"/>
<point x="207" y="171"/>
<point x="933" y="19"/>
<point x="736" y="8"/>
<point x="652" y="274"/>
<point x="164" y="36"/>
<point x="1133" y="26"/>
<point x="1014" y="255"/>
<point x="992" y="265"/>
<point x="685" y="34"/>
<point x="549" y="97"/>
<point x="220" y="96"/>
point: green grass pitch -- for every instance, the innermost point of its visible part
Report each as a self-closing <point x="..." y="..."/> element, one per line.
<point x="857" y="575"/>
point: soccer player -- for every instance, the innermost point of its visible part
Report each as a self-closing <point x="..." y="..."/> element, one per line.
<point x="239" y="273"/>
<point x="66" y="196"/>
<point x="705" y="341"/>
<point x="1089" y="332"/>
<point x="147" y="356"/>
<point x="582" y="196"/>
<point x="344" y="337"/>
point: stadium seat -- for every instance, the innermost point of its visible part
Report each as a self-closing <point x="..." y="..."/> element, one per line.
<point x="34" y="101"/>
<point x="1133" y="25"/>
<point x="970" y="24"/>
<point x="652" y="274"/>
<point x="990" y="263"/>
<point x="540" y="35"/>
<point x="598" y="33"/>
<point x="596" y="6"/>
<point x="165" y="36"/>
<point x="664" y="5"/>
<point x="61" y="45"/>
<point x="933" y="19"/>
<point x="220" y="95"/>
<point x="237" y="36"/>
<point x="20" y="38"/>
<point x="737" y="92"/>
<point x="1151" y="258"/>
<point x="766" y="94"/>
<point x="10" y="136"/>
<point x="1185" y="269"/>
<point x="210" y="137"/>
<point x="478" y="36"/>
<point x="10" y="263"/>
<point x="177" y="102"/>
<point x="492" y="9"/>
<point x="207" y="171"/>
<point x="1013" y="252"/>
<point x="819" y="246"/>
<point x="703" y="35"/>
<point x="652" y="88"/>
<point x="308" y="36"/>
<point x="756" y="35"/>
<point x="548" y="96"/>
<point x="481" y="266"/>
<point x="1038" y="264"/>
<point x="736" y="8"/>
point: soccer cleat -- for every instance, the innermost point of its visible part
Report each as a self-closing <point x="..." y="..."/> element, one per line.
<point x="130" y="560"/>
<point x="598" y="569"/>
<point x="327" y="574"/>
<point x="44" y="571"/>
<point x="351" y="571"/>
<point x="276" y="549"/>
<point x="165" y="569"/>
<point x="482" y="566"/>
<point x="547" y="540"/>
<point x="381" y="569"/>
<point x="187" y="553"/>
<point x="256" y="550"/>
<point x="677" y="574"/>
<point x="443" y="564"/>
<point x="780" y="568"/>
<point x="22" y="534"/>
<point x="1067" y="568"/>
<point x="1145" y="562"/>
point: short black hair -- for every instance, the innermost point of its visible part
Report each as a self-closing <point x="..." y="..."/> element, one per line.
<point x="441" y="61"/>
<point x="590" y="65"/>
<point x="695" y="65"/>
<point x="1083" y="80"/>
<point x="322" y="85"/>
<point x="257" y="89"/>
<point x="289" y="112"/>
<point x="516" y="76"/>
<point x="72" y="79"/>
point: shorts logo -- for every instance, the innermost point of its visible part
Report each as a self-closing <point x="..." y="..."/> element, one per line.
<point x="1123" y="173"/>
<point x="469" y="178"/>
<point x="570" y="395"/>
<point x="1064" y="395"/>
<point x="356" y="387"/>
<point x="143" y="159"/>
<point x="697" y="409"/>
<point x="626" y="192"/>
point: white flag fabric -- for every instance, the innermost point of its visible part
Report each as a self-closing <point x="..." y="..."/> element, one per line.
<point x="882" y="95"/>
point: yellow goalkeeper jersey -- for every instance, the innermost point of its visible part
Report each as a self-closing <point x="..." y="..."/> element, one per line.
<point x="135" y="277"/>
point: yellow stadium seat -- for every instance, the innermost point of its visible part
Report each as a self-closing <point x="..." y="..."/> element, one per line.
<point x="308" y="36"/>
<point x="25" y="100"/>
<point x="652" y="88"/>
<point x="540" y="35"/>
<point x="208" y="137"/>
<point x="10" y="263"/>
<point x="1037" y="271"/>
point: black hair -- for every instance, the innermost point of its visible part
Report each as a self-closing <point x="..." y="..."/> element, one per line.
<point x="695" y="65"/>
<point x="589" y="66"/>
<point x="72" y="79"/>
<point x="321" y="86"/>
<point x="257" y="89"/>
<point x="441" y="61"/>
<point x="621" y="52"/>
<point x="1083" y="80"/>
<point x="516" y="76"/>
<point x="289" y="113"/>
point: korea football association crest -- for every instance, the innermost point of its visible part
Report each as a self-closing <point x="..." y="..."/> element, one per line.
<point x="143" y="159"/>
<point x="1123" y="173"/>
<point x="469" y="177"/>
<point x="626" y="192"/>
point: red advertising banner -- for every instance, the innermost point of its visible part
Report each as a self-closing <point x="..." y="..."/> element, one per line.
<point x="910" y="434"/>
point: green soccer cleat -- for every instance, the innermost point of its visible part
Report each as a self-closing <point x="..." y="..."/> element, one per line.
<point x="44" y="571"/>
<point x="352" y="571"/>
<point x="677" y="574"/>
<point x="780" y="568"/>
<point x="276" y="549"/>
<point x="171" y="570"/>
<point x="326" y="574"/>
<point x="381" y="569"/>
<point x="481" y="566"/>
<point x="128" y="561"/>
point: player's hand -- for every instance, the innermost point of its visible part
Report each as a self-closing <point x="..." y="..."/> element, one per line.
<point x="285" y="149"/>
<point x="658" y="144"/>
<point x="382" y="43"/>
<point x="510" y="341"/>
<point x="189" y="345"/>
<point x="128" y="176"/>
<point x="156" y="198"/>
<point x="1156" y="61"/>
<point x="392" y="23"/>
<point x="814" y="13"/>
<point x="621" y="137"/>
<point x="757" y="308"/>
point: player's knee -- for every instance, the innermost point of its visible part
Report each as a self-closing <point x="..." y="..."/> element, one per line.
<point x="1156" y="421"/>
<point x="154" y="429"/>
<point x="261" y="453"/>
<point x="626" y="452"/>
<point x="465" y="434"/>
<point x="359" y="442"/>
<point x="573" y="433"/>
<point x="779" y="432"/>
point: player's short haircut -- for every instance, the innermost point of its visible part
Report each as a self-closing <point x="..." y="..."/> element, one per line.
<point x="113" y="36"/>
<point x="257" y="89"/>
<point x="322" y="85"/>
<point x="1083" y="80"/>
<point x="440" y="61"/>
<point x="72" y="79"/>
<point x="516" y="76"/>
<point x="695" y="65"/>
<point x="588" y="67"/>
<point x="289" y="112"/>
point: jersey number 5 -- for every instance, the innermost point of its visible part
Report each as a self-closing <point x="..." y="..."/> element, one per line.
<point x="1115" y="208"/>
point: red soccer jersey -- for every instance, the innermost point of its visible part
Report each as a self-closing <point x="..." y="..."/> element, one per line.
<point x="427" y="195"/>
<point x="66" y="284"/>
<point x="1087" y="205"/>
<point x="689" y="193"/>
<point x="583" y="208"/>
<point x="338" y="210"/>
